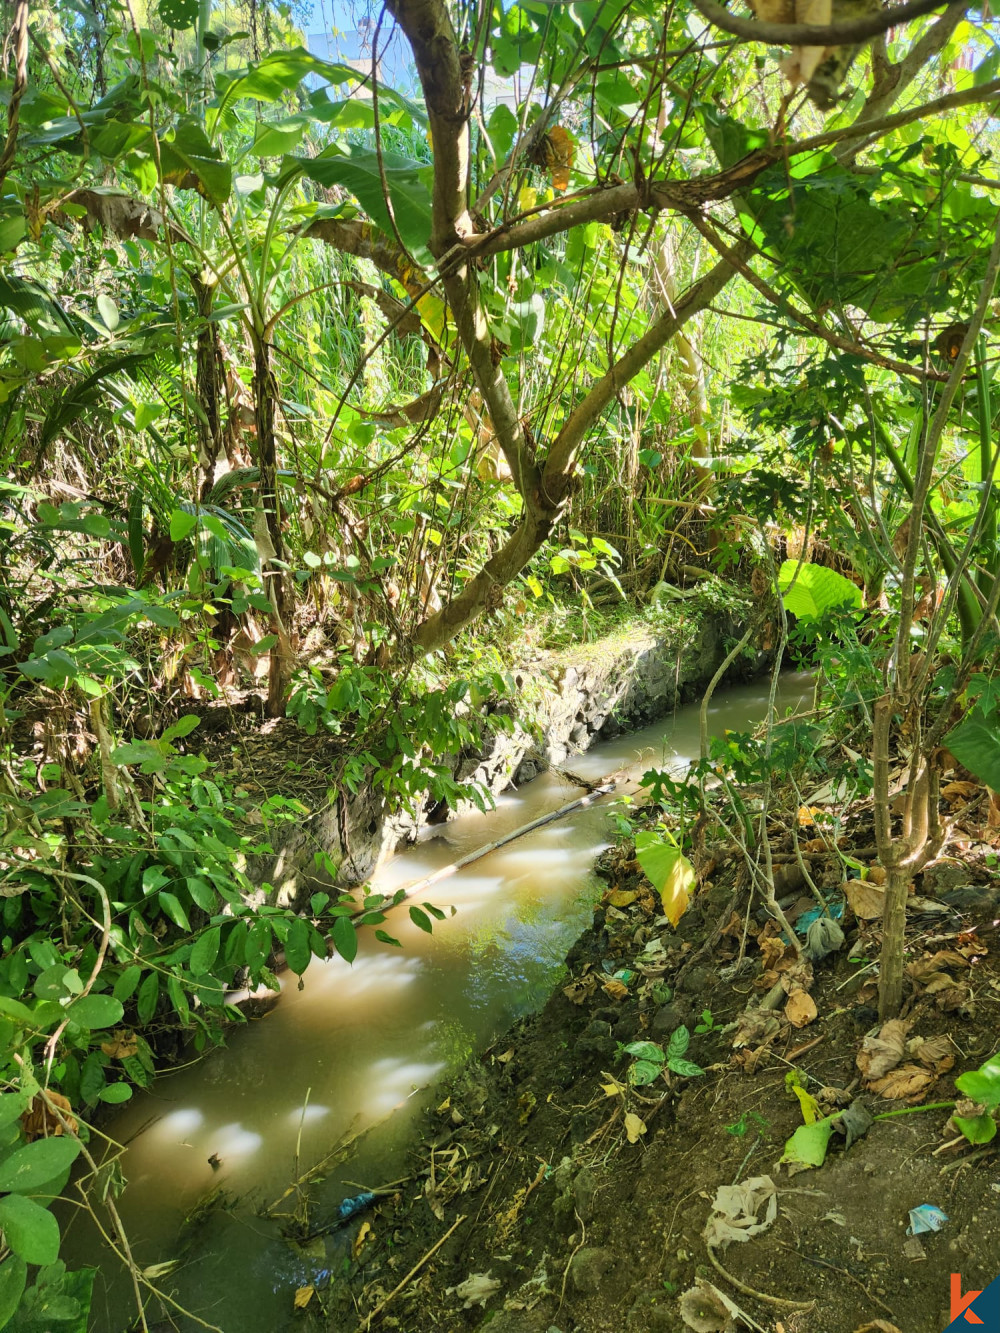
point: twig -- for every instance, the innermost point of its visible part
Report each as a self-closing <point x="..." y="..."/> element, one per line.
<point x="752" y="1291"/>
<point x="569" y="1261"/>
<point x="380" y="1308"/>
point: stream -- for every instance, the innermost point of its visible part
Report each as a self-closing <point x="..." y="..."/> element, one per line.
<point x="363" y="1045"/>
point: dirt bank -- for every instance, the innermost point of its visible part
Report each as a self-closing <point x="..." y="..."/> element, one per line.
<point x="551" y="1193"/>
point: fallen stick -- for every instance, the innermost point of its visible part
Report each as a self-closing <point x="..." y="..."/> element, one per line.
<point x="580" y="803"/>
<point x="377" y="1312"/>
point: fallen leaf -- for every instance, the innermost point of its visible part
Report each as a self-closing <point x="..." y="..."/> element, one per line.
<point x="303" y="1296"/>
<point x="621" y="897"/>
<point x="908" y="1083"/>
<point x="883" y="1051"/>
<point x="578" y="991"/>
<point x="365" y="1233"/>
<point x="800" y="1009"/>
<point x="877" y="875"/>
<point x="866" y="899"/>
<point x="958" y="793"/>
<point x="878" y="1326"/>
<point x="615" y="989"/>
<point x="936" y="962"/>
<point x="445" y="1106"/>
<point x="507" y="1056"/>
<point x="735" y="1209"/>
<point x="475" y="1290"/>
<point x="706" y="1309"/>
<point x="634" y="1127"/>
<point x="614" y="1088"/>
<point x="935" y="1053"/>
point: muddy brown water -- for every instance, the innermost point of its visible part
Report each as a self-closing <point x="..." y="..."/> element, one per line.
<point x="362" y="1046"/>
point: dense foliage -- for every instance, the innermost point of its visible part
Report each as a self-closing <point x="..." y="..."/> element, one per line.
<point x="305" y="379"/>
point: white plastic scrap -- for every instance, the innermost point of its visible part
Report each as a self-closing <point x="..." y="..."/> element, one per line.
<point x="735" y="1209"/>
<point x="475" y="1290"/>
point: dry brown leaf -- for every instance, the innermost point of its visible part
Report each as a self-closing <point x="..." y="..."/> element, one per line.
<point x="939" y="981"/>
<point x="959" y="793"/>
<point x="866" y="899"/>
<point x="800" y="1009"/>
<point x="615" y="989"/>
<point x="40" y="1120"/>
<point x="634" y="1127"/>
<point x="877" y="875"/>
<point x="883" y="1052"/>
<point x="908" y="1083"/>
<point x="122" y="1044"/>
<point x="772" y="951"/>
<point x="748" y="1060"/>
<point x="936" y="962"/>
<point x="935" y="1053"/>
<point x="578" y="991"/>
<point x="955" y="998"/>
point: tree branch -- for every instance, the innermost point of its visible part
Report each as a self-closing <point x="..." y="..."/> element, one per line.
<point x="814" y="34"/>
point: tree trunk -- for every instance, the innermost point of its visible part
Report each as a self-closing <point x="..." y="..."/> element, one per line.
<point x="270" y="542"/>
<point x="890" y="978"/>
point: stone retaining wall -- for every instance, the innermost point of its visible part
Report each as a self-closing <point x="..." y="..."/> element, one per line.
<point x="572" y="699"/>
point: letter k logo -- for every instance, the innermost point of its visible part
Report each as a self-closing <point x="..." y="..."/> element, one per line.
<point x="960" y="1303"/>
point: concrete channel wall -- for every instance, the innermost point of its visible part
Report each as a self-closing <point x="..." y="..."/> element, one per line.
<point x="570" y="700"/>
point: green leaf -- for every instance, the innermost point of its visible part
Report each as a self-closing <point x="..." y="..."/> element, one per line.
<point x="386" y="938"/>
<point x="206" y="950"/>
<point x="645" y="1050"/>
<point x="679" y="1041"/>
<point x="297" y="950"/>
<point x="983" y="1084"/>
<point x="12" y="1104"/>
<point x="808" y="1144"/>
<point x="421" y="919"/>
<point x="29" y="1229"/>
<point x="686" y="1068"/>
<point x="13" y="1276"/>
<point x="96" y="1011"/>
<point x="643" y="1072"/>
<point x="359" y="171"/>
<point x="345" y="938"/>
<point x="668" y="870"/>
<point x="149" y="994"/>
<point x="15" y="1009"/>
<point x="809" y="590"/>
<point x="181" y="523"/>
<point x="36" y="1163"/>
<point x="108" y="312"/>
<point x="115" y="1093"/>
<point x="178" y="14"/>
<point x="171" y="906"/>
<point x="182" y="727"/>
<point x="975" y="743"/>
<point x="125" y="986"/>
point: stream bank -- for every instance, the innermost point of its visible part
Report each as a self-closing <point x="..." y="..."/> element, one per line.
<point x="550" y="1195"/>
<point x="563" y="703"/>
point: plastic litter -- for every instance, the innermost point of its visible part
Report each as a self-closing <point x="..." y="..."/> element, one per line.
<point x="926" y="1217"/>
<point x="351" y="1207"/>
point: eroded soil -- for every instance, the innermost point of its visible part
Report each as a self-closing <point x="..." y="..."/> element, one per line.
<point x="553" y="1219"/>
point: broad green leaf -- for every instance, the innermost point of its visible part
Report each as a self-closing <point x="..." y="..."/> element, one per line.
<point x="977" y="1129"/>
<point x="108" y="312"/>
<point x="809" y="590"/>
<point x="205" y="951"/>
<point x="36" y="1163"/>
<point x="13" y="1276"/>
<point x="668" y="870"/>
<point x="686" y="1068"/>
<point x="421" y="919"/>
<point x="115" y="1093"/>
<point x="982" y="1085"/>
<point x="125" y="986"/>
<point x="29" y="1229"/>
<point x="297" y="950"/>
<point x="975" y="743"/>
<point x="645" y="1050"/>
<point x="149" y="994"/>
<point x="12" y="1104"/>
<point x="178" y="14"/>
<point x="181" y="523"/>
<point x="171" y="906"/>
<point x="680" y="1039"/>
<point x="643" y="1072"/>
<point x="345" y="938"/>
<point x="96" y="1011"/>
<point x="808" y="1144"/>
<point x="359" y="171"/>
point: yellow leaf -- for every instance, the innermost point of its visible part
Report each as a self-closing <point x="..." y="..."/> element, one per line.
<point x="365" y="1233"/>
<point x="634" y="1127"/>
<point x="527" y="197"/>
<point x="612" y="1089"/>
<point x="303" y="1296"/>
<point x="808" y="1104"/>
<point x="806" y="814"/>
<point x="622" y="897"/>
